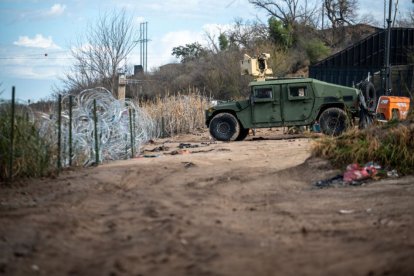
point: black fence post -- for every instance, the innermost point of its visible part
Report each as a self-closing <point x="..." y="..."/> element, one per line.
<point x="95" y="118"/>
<point x="59" y="161"/>
<point x="70" y="129"/>
<point x="126" y="146"/>
<point x="162" y="127"/>
<point x="131" y="133"/>
<point x="134" y="119"/>
<point x="13" y="104"/>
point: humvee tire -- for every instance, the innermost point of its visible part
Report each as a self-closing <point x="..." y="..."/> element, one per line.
<point x="224" y="127"/>
<point x="370" y="95"/>
<point x="243" y="134"/>
<point x="333" y="121"/>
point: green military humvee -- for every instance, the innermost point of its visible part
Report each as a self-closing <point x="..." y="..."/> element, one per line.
<point x="284" y="102"/>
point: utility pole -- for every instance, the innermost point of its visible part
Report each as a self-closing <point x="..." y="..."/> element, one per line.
<point x="388" y="83"/>
<point x="143" y="46"/>
<point x="323" y="14"/>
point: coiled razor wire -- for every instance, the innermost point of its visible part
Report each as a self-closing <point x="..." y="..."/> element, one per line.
<point x="113" y="122"/>
<point x="113" y="127"/>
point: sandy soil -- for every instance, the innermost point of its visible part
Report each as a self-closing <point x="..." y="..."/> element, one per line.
<point x="242" y="208"/>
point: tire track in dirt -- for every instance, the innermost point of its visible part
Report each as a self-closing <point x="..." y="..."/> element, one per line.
<point x="243" y="208"/>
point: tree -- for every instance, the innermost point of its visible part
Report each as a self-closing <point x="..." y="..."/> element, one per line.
<point x="290" y="12"/>
<point x="189" y="52"/>
<point x="101" y="52"/>
<point x="411" y="17"/>
<point x="245" y="35"/>
<point x="341" y="12"/>
<point x="279" y="34"/>
<point x="406" y="20"/>
<point x="223" y="42"/>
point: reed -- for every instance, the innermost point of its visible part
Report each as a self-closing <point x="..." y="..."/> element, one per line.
<point x="177" y="114"/>
<point x="33" y="154"/>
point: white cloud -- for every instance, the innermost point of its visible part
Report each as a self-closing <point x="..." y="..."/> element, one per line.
<point x="37" y="42"/>
<point x="216" y="29"/>
<point x="174" y="39"/>
<point x="32" y="63"/>
<point x="189" y="9"/>
<point x="177" y="38"/>
<point x="42" y="14"/>
<point x="40" y="73"/>
<point x="160" y="49"/>
<point x="56" y="9"/>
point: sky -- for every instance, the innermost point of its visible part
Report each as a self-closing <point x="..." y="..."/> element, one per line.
<point x="36" y="35"/>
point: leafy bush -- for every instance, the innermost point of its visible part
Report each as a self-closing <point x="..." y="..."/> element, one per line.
<point x="279" y="34"/>
<point x="316" y="50"/>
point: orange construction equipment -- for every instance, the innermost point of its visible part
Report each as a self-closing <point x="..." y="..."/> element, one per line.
<point x="393" y="108"/>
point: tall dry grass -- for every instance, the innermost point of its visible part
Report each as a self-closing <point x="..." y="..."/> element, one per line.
<point x="176" y="114"/>
<point x="33" y="154"/>
<point x="391" y="145"/>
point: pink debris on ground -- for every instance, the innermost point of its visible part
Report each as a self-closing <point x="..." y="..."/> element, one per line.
<point x="355" y="172"/>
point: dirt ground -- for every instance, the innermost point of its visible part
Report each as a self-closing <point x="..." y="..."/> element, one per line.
<point x="241" y="208"/>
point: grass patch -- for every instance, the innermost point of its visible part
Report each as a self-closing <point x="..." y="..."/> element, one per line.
<point x="391" y="145"/>
<point x="176" y="114"/>
<point x="33" y="154"/>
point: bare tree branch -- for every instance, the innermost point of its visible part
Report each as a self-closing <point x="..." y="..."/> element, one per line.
<point x="289" y="12"/>
<point x="395" y="12"/>
<point x="102" y="51"/>
<point x="341" y="12"/>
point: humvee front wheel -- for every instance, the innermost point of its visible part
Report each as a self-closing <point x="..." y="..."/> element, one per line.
<point x="333" y="121"/>
<point x="224" y="127"/>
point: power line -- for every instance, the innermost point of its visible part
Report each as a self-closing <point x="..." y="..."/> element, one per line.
<point x="38" y="55"/>
<point x="35" y="58"/>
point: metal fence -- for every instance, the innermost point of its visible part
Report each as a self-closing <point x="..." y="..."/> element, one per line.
<point x="86" y="130"/>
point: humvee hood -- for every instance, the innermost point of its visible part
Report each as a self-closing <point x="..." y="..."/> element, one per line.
<point x="232" y="105"/>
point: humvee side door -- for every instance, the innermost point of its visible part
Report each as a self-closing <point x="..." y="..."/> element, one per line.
<point x="266" y="105"/>
<point x="298" y="101"/>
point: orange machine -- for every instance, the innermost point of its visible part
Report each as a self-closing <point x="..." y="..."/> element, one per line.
<point x="392" y="107"/>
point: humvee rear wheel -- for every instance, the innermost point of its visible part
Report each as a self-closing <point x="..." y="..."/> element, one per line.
<point x="370" y="95"/>
<point x="224" y="127"/>
<point x="243" y="134"/>
<point x="333" y="121"/>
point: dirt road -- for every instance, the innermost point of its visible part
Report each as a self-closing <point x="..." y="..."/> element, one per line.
<point x="242" y="208"/>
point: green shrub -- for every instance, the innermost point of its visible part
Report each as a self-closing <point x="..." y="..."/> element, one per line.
<point x="316" y="50"/>
<point x="280" y="35"/>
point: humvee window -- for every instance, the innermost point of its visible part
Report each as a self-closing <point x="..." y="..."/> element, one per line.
<point x="296" y="92"/>
<point x="263" y="93"/>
